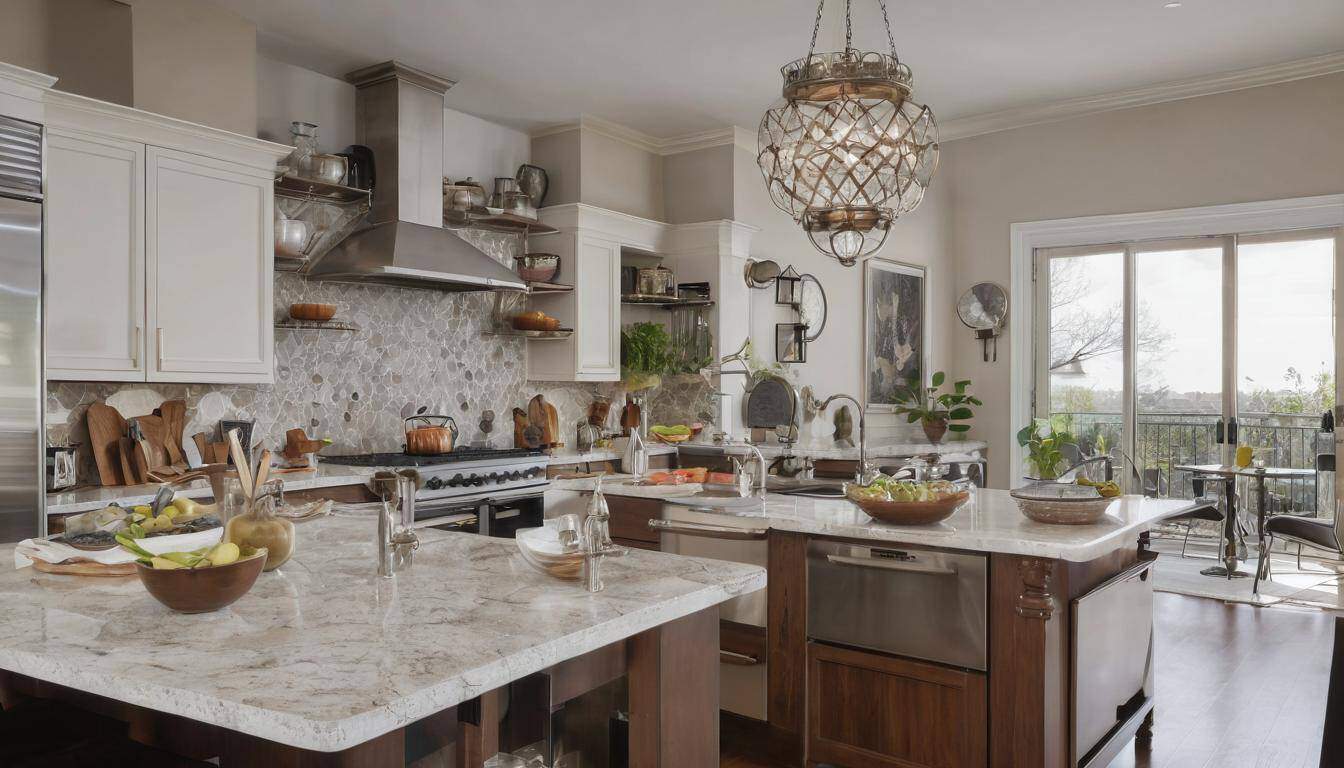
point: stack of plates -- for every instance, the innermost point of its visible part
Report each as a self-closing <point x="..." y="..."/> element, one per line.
<point x="542" y="549"/>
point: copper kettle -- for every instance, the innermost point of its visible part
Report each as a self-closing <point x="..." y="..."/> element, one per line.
<point x="430" y="434"/>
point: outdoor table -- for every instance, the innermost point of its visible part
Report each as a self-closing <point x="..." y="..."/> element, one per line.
<point x="1260" y="475"/>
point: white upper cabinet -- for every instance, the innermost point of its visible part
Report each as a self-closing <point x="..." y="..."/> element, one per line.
<point x="95" y="265"/>
<point x="597" y="266"/>
<point x="208" y="253"/>
<point x="159" y="248"/>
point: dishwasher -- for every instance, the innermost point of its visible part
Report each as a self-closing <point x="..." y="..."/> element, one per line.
<point x="907" y="601"/>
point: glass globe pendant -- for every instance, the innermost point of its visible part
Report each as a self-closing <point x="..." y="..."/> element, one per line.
<point x="846" y="150"/>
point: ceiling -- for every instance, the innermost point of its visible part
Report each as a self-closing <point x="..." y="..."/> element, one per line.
<point x="674" y="67"/>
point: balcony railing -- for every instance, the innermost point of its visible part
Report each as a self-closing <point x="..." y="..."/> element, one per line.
<point x="1171" y="439"/>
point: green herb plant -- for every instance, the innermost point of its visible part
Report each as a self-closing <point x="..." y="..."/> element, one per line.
<point x="927" y="404"/>
<point x="644" y="355"/>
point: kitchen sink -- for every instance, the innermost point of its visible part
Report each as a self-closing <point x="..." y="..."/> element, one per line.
<point x="812" y="491"/>
<point x="714" y="498"/>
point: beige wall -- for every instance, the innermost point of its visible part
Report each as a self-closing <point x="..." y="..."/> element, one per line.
<point x="619" y="176"/>
<point x="195" y="61"/>
<point x="558" y="153"/>
<point x="698" y="185"/>
<point x="1268" y="143"/>
<point x="84" y="43"/>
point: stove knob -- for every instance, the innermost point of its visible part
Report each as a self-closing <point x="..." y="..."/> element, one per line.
<point x="434" y="483"/>
<point x="455" y="480"/>
<point x="516" y="475"/>
<point x="501" y="478"/>
<point x="476" y="480"/>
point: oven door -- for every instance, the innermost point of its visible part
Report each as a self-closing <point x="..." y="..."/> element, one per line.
<point x="448" y="516"/>
<point x="503" y="515"/>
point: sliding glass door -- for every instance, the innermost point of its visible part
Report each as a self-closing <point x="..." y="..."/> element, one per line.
<point x="1159" y="353"/>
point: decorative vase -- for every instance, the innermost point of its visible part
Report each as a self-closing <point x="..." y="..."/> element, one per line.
<point x="934" y="429"/>
<point x="534" y="181"/>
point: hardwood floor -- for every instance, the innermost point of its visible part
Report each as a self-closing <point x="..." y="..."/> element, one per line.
<point x="1236" y="686"/>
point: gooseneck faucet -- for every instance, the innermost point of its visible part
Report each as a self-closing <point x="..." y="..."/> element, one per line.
<point x="865" y="473"/>
<point x="762" y="468"/>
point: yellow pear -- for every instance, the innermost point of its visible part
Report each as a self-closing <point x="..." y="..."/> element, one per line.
<point x="164" y="564"/>
<point x="223" y="553"/>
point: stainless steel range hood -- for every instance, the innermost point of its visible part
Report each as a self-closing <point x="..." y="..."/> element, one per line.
<point x="399" y="115"/>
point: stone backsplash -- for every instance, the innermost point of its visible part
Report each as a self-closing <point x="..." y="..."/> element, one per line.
<point x="415" y="347"/>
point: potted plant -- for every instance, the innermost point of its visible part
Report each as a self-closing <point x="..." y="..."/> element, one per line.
<point x="938" y="413"/>
<point x="1045" y="444"/>
<point x="644" y="355"/>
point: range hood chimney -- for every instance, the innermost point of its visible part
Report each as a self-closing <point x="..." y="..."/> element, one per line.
<point x="399" y="115"/>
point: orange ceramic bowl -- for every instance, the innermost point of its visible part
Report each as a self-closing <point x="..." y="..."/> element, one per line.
<point x="316" y="313"/>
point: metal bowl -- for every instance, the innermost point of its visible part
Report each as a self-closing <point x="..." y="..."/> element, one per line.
<point x="291" y="236"/>
<point x="329" y="168"/>
<point x="538" y="267"/>
<point x="1058" y="504"/>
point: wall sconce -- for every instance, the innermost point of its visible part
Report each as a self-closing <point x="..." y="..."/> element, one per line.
<point x="787" y="291"/>
<point x="791" y="342"/>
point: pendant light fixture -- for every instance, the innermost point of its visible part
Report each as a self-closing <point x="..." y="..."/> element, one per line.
<point x="847" y="150"/>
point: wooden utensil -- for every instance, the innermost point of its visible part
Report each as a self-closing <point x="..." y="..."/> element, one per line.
<point x="174" y="414"/>
<point x="263" y="470"/>
<point x="240" y="463"/>
<point x="519" y="427"/>
<point x="106" y="428"/>
<point x="297" y="444"/>
<point x="152" y="440"/>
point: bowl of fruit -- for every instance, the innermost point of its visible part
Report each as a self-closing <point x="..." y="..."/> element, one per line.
<point x="1081" y="503"/>
<point x="907" y="502"/>
<point x="198" y="581"/>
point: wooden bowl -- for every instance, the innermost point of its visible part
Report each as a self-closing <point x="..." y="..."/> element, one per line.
<point x="314" y="313"/>
<point x="200" y="590"/>
<point x="911" y="512"/>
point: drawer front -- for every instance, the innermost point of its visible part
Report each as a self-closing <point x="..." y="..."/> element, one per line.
<point x="906" y="601"/>
<point x="867" y="710"/>
<point x="630" y="518"/>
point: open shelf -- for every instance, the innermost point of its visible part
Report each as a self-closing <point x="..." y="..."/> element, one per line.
<point x="332" y="211"/>
<point x="537" y="289"/>
<point x="502" y="222"/>
<point x="647" y="299"/>
<point x="320" y="191"/>
<point x="290" y="324"/>
<point x="559" y="333"/>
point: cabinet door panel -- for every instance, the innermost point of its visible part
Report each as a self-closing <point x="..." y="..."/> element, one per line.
<point x="868" y="709"/>
<point x="209" y="253"/>
<point x="95" y="258"/>
<point x="598" y="311"/>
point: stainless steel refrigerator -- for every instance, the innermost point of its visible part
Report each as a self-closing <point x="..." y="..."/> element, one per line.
<point x="22" y="455"/>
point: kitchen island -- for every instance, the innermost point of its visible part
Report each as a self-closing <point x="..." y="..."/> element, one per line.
<point x="971" y="642"/>
<point x="323" y="661"/>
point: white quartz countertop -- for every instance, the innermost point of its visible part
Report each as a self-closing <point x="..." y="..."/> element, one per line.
<point x="98" y="496"/>
<point x="572" y="456"/>
<point x="323" y="654"/>
<point x="988" y="522"/>
<point x="876" y="450"/>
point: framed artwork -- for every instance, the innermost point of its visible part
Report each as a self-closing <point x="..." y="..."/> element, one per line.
<point x="895" y="331"/>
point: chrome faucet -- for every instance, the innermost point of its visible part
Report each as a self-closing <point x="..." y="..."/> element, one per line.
<point x="597" y="539"/>
<point x="396" y="540"/>
<point x="865" y="473"/>
<point x="760" y="462"/>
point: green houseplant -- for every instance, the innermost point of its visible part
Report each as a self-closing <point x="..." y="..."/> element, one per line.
<point x="938" y="413"/>
<point x="1045" y="441"/>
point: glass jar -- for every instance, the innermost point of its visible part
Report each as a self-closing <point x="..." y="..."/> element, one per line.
<point x="302" y="161"/>
<point x="259" y="526"/>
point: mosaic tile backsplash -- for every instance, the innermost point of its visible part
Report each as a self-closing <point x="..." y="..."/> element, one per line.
<point x="415" y="347"/>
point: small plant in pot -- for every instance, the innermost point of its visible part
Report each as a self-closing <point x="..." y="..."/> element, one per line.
<point x="938" y="413"/>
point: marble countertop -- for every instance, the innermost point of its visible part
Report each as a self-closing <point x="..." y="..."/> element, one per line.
<point x="878" y="450"/>
<point x="572" y="456"/>
<point x="988" y="522"/>
<point x="323" y="654"/>
<point x="98" y="496"/>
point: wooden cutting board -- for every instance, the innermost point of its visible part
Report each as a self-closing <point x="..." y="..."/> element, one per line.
<point x="174" y="414"/>
<point x="126" y="458"/>
<point x="106" y="428"/>
<point x="552" y="430"/>
<point x="84" y="568"/>
<point x="152" y="427"/>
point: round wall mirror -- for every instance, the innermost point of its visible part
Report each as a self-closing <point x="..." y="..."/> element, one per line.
<point x="812" y="306"/>
<point x="983" y="307"/>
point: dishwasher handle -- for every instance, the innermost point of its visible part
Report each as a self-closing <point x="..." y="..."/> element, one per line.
<point x="907" y="565"/>
<point x="709" y="531"/>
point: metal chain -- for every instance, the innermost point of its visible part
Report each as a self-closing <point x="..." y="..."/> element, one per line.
<point x="816" y="27"/>
<point x="849" y="28"/>
<point x="887" y="23"/>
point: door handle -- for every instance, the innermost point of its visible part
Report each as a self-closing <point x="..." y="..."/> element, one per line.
<point x="709" y="531"/>
<point x="158" y="345"/>
<point x="135" y="348"/>
<point x="891" y="565"/>
<point x="737" y="659"/>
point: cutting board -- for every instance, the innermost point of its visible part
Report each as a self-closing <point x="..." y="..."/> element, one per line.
<point x="152" y="427"/>
<point x="126" y="458"/>
<point x="174" y="415"/>
<point x="106" y="427"/>
<point x="84" y="568"/>
<point x="552" y="431"/>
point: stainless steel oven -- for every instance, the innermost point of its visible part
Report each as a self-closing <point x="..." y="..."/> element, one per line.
<point x="500" y="516"/>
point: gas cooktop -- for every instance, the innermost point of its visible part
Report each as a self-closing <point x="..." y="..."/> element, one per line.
<point x="408" y="460"/>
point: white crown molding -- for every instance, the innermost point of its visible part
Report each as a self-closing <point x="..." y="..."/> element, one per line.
<point x="81" y="113"/>
<point x="1175" y="90"/>
<point x="26" y="76"/>
<point x="992" y="122"/>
